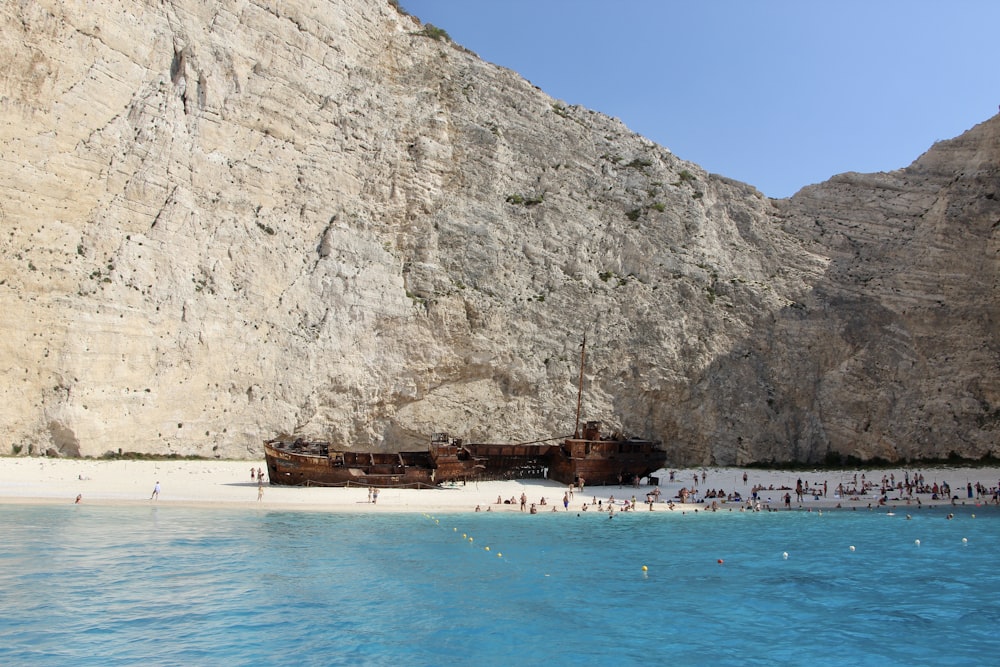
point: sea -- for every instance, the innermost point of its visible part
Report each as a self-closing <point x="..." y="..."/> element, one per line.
<point x="162" y="585"/>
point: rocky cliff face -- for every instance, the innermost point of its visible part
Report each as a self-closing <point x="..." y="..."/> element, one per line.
<point x="226" y="221"/>
<point x="896" y="346"/>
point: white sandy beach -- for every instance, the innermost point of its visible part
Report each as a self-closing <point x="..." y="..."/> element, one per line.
<point x="227" y="483"/>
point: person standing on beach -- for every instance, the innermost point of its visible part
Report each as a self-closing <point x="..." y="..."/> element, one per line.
<point x="374" y="496"/>
<point x="524" y="502"/>
<point x="566" y="501"/>
<point x="156" y="492"/>
<point x="260" y="489"/>
<point x="788" y="500"/>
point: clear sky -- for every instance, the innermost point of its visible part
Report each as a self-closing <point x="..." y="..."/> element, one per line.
<point x="776" y="93"/>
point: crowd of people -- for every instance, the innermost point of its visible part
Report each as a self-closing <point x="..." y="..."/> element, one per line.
<point x="907" y="489"/>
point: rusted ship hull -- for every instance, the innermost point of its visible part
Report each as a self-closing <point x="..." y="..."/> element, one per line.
<point x="512" y="461"/>
<point x="587" y="456"/>
<point x="600" y="460"/>
<point x="291" y="465"/>
<point x="310" y="463"/>
<point x="591" y="457"/>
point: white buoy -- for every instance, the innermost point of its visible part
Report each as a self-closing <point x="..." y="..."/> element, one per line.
<point x="852" y="547"/>
<point x="784" y="554"/>
<point x="965" y="540"/>
<point x="917" y="542"/>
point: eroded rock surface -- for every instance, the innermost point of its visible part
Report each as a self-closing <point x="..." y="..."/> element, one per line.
<point x="225" y="221"/>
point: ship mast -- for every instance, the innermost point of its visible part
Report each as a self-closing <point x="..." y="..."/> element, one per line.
<point x="579" y="393"/>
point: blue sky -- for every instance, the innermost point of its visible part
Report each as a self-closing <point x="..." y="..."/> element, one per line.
<point x="775" y="93"/>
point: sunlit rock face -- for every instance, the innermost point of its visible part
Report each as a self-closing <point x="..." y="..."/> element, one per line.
<point x="221" y="222"/>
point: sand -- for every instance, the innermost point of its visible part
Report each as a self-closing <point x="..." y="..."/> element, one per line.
<point x="228" y="484"/>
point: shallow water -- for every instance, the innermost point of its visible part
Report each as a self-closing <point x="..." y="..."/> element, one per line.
<point x="87" y="585"/>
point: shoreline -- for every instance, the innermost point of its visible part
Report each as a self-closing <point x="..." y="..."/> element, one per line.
<point x="214" y="484"/>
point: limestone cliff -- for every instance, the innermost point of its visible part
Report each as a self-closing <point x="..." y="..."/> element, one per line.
<point x="225" y="221"/>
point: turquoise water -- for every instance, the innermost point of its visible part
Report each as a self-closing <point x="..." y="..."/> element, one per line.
<point x="88" y="585"/>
